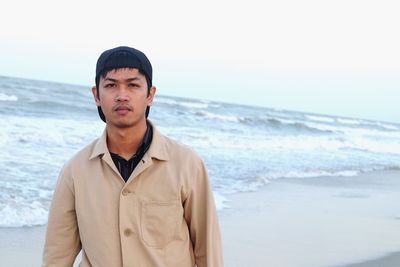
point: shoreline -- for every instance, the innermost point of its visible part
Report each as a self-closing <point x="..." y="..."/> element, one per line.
<point x="390" y="260"/>
<point x="308" y="222"/>
<point x="314" y="222"/>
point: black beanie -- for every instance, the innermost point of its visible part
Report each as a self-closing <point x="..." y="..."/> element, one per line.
<point x="123" y="57"/>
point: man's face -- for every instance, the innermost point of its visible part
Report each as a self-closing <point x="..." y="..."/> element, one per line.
<point x="123" y="97"/>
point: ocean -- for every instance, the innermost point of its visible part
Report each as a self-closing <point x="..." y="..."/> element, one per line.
<point x="44" y="123"/>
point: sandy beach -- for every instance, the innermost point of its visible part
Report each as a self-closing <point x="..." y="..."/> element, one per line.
<point x="313" y="222"/>
<point x="391" y="260"/>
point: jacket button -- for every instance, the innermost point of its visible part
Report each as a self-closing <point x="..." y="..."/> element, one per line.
<point x="127" y="232"/>
<point x="125" y="192"/>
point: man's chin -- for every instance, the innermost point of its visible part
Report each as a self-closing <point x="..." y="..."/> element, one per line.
<point x="123" y="125"/>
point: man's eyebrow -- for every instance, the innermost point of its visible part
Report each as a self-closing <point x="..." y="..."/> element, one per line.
<point x="128" y="80"/>
<point x="110" y="79"/>
<point x="132" y="79"/>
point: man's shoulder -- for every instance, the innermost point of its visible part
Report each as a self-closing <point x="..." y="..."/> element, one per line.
<point x="79" y="162"/>
<point x="83" y="155"/>
<point x="177" y="149"/>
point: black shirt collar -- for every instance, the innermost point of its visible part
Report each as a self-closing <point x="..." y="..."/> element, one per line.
<point x="126" y="167"/>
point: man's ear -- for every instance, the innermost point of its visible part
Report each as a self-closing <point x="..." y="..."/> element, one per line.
<point x="96" y="96"/>
<point x="151" y="95"/>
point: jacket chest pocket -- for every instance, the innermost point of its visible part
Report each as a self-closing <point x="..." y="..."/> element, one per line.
<point x="159" y="222"/>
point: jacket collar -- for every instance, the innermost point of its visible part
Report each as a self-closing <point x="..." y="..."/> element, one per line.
<point x="158" y="148"/>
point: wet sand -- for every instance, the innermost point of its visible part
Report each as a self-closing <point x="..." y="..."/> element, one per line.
<point x="391" y="260"/>
<point x="315" y="222"/>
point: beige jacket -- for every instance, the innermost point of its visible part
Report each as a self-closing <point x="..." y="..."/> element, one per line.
<point x="164" y="215"/>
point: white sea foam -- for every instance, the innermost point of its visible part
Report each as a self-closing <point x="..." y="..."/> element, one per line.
<point x="388" y="126"/>
<point x="282" y="143"/>
<point x="5" y="97"/>
<point x="25" y="214"/>
<point x="286" y="121"/>
<point x="371" y="132"/>
<point x="314" y="173"/>
<point x="48" y="131"/>
<point x="375" y="146"/>
<point x="164" y="100"/>
<point x="220" y="201"/>
<point x="323" y="127"/>
<point x="319" y="118"/>
<point x="213" y="116"/>
<point x="187" y="104"/>
<point x="194" y="105"/>
<point x="348" y="121"/>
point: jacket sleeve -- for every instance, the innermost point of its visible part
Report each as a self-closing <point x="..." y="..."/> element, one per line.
<point x="62" y="243"/>
<point x="201" y="215"/>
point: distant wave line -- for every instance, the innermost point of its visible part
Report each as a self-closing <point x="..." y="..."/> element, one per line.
<point x="4" y="97"/>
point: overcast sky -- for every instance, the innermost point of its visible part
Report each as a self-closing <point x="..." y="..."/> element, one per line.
<point x="331" y="57"/>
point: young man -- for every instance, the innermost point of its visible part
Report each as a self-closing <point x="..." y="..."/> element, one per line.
<point x="133" y="197"/>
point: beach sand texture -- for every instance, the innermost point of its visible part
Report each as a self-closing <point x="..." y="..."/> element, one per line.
<point x="314" y="222"/>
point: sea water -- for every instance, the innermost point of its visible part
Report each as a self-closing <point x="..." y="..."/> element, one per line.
<point x="42" y="124"/>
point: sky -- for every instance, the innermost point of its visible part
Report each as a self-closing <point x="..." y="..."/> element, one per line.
<point x="327" y="57"/>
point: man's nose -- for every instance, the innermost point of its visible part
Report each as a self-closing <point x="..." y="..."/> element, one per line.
<point x="122" y="94"/>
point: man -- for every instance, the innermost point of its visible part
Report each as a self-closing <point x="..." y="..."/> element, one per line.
<point x="133" y="197"/>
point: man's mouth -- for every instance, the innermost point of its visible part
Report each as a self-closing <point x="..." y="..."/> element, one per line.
<point x="122" y="109"/>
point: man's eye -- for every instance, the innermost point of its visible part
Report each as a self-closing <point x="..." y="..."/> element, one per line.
<point x="109" y="85"/>
<point x="133" y="85"/>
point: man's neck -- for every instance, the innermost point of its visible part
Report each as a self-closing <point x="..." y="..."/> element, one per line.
<point x="125" y="141"/>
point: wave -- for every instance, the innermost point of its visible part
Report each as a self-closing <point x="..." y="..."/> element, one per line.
<point x="319" y="118"/>
<point x="4" y="97"/>
<point x="29" y="214"/>
<point x="372" y="146"/>
<point x="220" y="201"/>
<point x="182" y="103"/>
<point x="59" y="107"/>
<point x="306" y="128"/>
<point x="194" y="105"/>
<point x="259" y="181"/>
<point x="282" y="125"/>
<point x="218" y="117"/>
<point x="262" y="180"/>
<point x="388" y="126"/>
<point x="305" y="143"/>
<point x="324" y="173"/>
<point x="349" y="121"/>
<point x="312" y="174"/>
